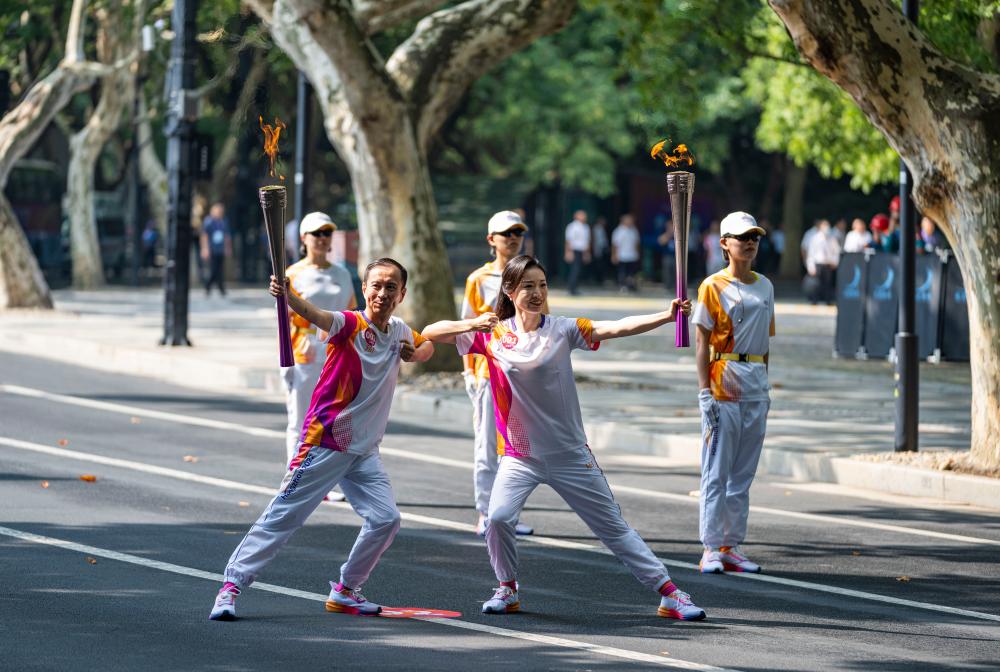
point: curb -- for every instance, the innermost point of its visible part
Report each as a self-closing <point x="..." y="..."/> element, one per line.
<point x="172" y="366"/>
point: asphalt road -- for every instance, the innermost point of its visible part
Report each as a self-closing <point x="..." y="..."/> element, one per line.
<point x="120" y="573"/>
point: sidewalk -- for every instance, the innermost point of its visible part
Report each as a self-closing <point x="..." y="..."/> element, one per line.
<point x="638" y="394"/>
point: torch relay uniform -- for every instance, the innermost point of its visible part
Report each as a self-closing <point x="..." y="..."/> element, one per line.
<point x="338" y="445"/>
<point x="740" y="319"/>
<point x="540" y="439"/>
<point x="328" y="289"/>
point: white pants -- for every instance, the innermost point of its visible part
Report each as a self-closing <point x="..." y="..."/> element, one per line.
<point x="366" y="484"/>
<point x="577" y="478"/>
<point x="485" y="446"/>
<point x="300" y="381"/>
<point x="729" y="456"/>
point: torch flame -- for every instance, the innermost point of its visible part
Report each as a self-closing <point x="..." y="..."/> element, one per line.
<point x="271" y="135"/>
<point x="681" y="155"/>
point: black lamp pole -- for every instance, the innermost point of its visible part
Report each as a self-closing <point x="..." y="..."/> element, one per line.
<point x="301" y="150"/>
<point x="907" y="366"/>
<point x="180" y="166"/>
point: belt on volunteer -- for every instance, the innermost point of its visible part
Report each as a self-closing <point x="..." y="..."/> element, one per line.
<point x="738" y="357"/>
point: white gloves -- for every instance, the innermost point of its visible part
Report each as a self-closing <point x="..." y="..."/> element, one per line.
<point x="709" y="406"/>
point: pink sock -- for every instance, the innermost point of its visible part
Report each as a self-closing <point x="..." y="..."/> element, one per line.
<point x="667" y="588"/>
<point x="230" y="587"/>
<point x="340" y="588"/>
<point x="510" y="584"/>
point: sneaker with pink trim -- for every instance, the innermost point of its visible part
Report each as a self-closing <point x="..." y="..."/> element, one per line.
<point x="734" y="561"/>
<point x="678" y="605"/>
<point x="504" y="601"/>
<point x="225" y="605"/>
<point x="346" y="600"/>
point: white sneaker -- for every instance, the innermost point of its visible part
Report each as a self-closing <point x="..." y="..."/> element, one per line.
<point x="504" y="601"/>
<point x="335" y="496"/>
<point x="711" y="562"/>
<point x="481" y="526"/>
<point x="350" y="601"/>
<point x="523" y="530"/>
<point x="678" y="605"/>
<point x="734" y="561"/>
<point x="225" y="606"/>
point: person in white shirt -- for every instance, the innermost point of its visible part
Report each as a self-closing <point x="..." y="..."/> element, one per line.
<point x="858" y="238"/>
<point x="540" y="436"/>
<point x="577" y="252"/>
<point x="339" y="443"/>
<point x="821" y="262"/>
<point x="625" y="252"/>
<point x="734" y="320"/>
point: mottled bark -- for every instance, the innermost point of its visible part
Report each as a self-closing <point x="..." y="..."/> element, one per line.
<point x="943" y="118"/>
<point x="151" y="169"/>
<point x="381" y="115"/>
<point x="116" y="89"/>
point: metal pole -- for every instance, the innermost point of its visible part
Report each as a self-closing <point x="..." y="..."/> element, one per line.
<point x="301" y="150"/>
<point x="907" y="366"/>
<point x="180" y="134"/>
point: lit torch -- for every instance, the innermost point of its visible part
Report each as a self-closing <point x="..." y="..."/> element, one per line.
<point x="680" y="187"/>
<point x="272" y="202"/>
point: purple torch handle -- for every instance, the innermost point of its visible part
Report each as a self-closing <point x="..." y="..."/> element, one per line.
<point x="285" y="357"/>
<point x="682" y="338"/>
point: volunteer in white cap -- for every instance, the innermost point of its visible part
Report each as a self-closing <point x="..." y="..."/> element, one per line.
<point x="505" y="235"/>
<point x="735" y="320"/>
<point x="328" y="287"/>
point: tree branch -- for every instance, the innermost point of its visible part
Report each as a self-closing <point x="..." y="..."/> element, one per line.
<point x="453" y="47"/>
<point x="376" y="17"/>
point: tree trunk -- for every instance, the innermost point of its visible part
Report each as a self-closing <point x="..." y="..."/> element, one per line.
<point x="151" y="169"/>
<point x="943" y="118"/>
<point x="85" y="149"/>
<point x="21" y="281"/>
<point x="791" y="220"/>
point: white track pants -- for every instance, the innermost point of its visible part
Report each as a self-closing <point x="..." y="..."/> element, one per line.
<point x="577" y="478"/>
<point x="485" y="448"/>
<point x="729" y="456"/>
<point x="300" y="381"/>
<point x="366" y="484"/>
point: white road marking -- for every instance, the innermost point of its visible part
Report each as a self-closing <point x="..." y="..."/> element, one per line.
<point x="626" y="654"/>
<point x="462" y="464"/>
<point x="466" y="527"/>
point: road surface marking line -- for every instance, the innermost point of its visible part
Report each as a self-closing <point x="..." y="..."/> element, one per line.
<point x="444" y="461"/>
<point x="317" y="597"/>
<point x="466" y="527"/>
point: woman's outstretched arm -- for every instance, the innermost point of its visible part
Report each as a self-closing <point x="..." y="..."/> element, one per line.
<point x="638" y="324"/>
<point x="445" y="331"/>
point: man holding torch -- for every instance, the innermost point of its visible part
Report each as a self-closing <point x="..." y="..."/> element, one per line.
<point x="339" y="442"/>
<point x="734" y="320"/>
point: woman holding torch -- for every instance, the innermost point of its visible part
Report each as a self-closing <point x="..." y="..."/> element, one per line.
<point x="328" y="287"/>
<point x="735" y="320"/>
<point x="540" y="427"/>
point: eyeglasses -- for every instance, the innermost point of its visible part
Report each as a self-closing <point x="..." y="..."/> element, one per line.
<point x="517" y="233"/>
<point x="322" y="233"/>
<point x="749" y="237"/>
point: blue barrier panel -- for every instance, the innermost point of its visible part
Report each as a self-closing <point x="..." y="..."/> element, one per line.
<point x="851" y="286"/>
<point x="927" y="302"/>
<point x="881" y="305"/>
<point x="955" y="318"/>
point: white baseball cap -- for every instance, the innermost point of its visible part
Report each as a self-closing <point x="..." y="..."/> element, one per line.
<point x="315" y="221"/>
<point x="505" y="220"/>
<point x="738" y="223"/>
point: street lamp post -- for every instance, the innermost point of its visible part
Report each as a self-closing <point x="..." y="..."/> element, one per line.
<point x="180" y="134"/>
<point x="301" y="151"/>
<point x="907" y="367"/>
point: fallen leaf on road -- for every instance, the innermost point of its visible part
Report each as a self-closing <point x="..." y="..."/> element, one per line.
<point x="90" y="478"/>
<point x="903" y="579"/>
<point x="244" y="503"/>
<point x="855" y="552"/>
<point x="45" y="484"/>
<point x="63" y="442"/>
<point x="134" y="420"/>
<point x="190" y="458"/>
<point x="91" y="560"/>
<point x="777" y="386"/>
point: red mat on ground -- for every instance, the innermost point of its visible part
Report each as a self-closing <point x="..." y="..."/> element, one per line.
<point x="410" y="612"/>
